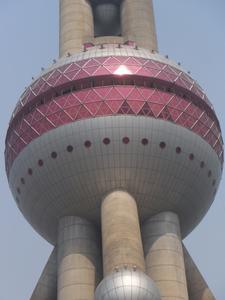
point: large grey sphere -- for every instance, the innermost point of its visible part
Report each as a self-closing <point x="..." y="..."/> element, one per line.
<point x="68" y="147"/>
<point x="127" y="284"/>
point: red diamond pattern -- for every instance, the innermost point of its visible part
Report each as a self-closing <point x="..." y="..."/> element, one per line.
<point x="28" y="123"/>
<point x="102" y="66"/>
<point x="111" y="100"/>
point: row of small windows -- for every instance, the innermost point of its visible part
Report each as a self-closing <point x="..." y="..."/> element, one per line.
<point x="106" y="141"/>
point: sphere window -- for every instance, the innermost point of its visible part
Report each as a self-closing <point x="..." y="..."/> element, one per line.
<point x="162" y="145"/>
<point x="22" y="180"/>
<point x="40" y="163"/>
<point x="178" y="150"/>
<point x="87" y="144"/>
<point x="106" y="141"/>
<point x="18" y="190"/>
<point x="209" y="173"/>
<point x="214" y="182"/>
<point x="30" y="171"/>
<point x="126" y="140"/>
<point x="144" y="141"/>
<point x="202" y="164"/>
<point x="54" y="154"/>
<point x="191" y="156"/>
<point x="69" y="148"/>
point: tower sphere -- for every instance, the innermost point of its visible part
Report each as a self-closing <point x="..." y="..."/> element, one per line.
<point x="127" y="284"/>
<point x="113" y="118"/>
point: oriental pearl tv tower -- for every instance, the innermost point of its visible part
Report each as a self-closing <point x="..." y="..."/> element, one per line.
<point x="114" y="154"/>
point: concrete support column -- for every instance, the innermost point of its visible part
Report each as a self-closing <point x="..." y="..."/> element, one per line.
<point x="46" y="288"/>
<point x="197" y="286"/>
<point x="121" y="238"/>
<point x="76" y="25"/>
<point x="78" y="259"/>
<point x="164" y="255"/>
<point x="138" y="23"/>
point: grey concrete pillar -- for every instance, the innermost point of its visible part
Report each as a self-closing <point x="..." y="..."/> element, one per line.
<point x="138" y="23"/>
<point x="121" y="238"/>
<point x="78" y="259"/>
<point x="46" y="288"/>
<point x="164" y="255"/>
<point x="76" y="25"/>
<point x="197" y="286"/>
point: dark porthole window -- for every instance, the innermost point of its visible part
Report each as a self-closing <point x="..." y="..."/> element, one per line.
<point x="53" y="155"/>
<point x="69" y="148"/>
<point x="30" y="171"/>
<point x="18" y="190"/>
<point x="144" y="141"/>
<point x="178" y="150"/>
<point x="191" y="156"/>
<point x="209" y="173"/>
<point x="126" y="140"/>
<point x="87" y="144"/>
<point x="106" y="141"/>
<point x="22" y="180"/>
<point x="162" y="145"/>
<point x="40" y="163"/>
<point x="202" y="164"/>
<point x="214" y="182"/>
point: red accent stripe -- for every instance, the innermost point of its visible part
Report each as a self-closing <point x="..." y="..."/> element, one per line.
<point x="107" y="101"/>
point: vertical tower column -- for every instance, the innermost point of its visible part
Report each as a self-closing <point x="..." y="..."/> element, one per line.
<point x="138" y="23"/>
<point x="121" y="237"/>
<point x="197" y="286"/>
<point x="123" y="257"/>
<point x="76" y="25"/>
<point x="46" y="288"/>
<point x="78" y="259"/>
<point x="164" y="255"/>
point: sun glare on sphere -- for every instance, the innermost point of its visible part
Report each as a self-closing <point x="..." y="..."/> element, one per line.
<point x="122" y="70"/>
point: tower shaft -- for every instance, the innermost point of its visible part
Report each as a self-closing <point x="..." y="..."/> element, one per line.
<point x="164" y="255"/>
<point x="76" y="25"/>
<point x="78" y="259"/>
<point x="99" y="22"/>
<point x="197" y="286"/>
<point x="121" y="237"/>
<point x="138" y="23"/>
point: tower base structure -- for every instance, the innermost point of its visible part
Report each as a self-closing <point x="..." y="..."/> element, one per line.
<point x="158" y="268"/>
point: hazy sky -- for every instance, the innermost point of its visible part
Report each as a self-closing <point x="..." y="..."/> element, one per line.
<point x="191" y="32"/>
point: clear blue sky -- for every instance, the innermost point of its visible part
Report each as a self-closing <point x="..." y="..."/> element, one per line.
<point x="191" y="32"/>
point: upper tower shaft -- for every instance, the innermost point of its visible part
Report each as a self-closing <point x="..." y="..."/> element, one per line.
<point x="106" y="21"/>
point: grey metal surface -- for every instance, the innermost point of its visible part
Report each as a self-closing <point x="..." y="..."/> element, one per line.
<point x="126" y="285"/>
<point x="75" y="182"/>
